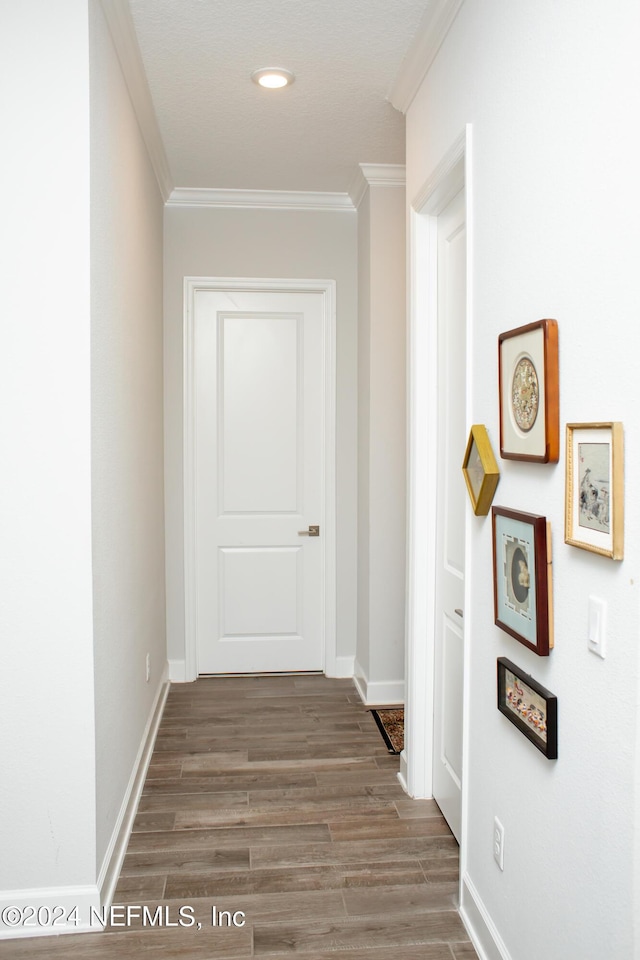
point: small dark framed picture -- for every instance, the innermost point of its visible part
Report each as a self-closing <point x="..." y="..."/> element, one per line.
<point x="594" y="505"/>
<point x="522" y="586"/>
<point x="480" y="469"/>
<point x="529" y="706"/>
<point x="529" y="392"/>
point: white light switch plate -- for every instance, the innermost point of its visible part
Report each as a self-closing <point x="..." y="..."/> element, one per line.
<point x="597" y="626"/>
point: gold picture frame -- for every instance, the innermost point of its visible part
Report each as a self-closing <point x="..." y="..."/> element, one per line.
<point x="480" y="469"/>
<point x="594" y="501"/>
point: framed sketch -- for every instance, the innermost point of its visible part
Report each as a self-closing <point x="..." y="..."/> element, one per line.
<point x="594" y="504"/>
<point x="529" y="393"/>
<point x="529" y="706"/>
<point x="480" y="469"/>
<point x="522" y="578"/>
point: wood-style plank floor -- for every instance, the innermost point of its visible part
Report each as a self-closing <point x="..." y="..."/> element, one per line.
<point x="274" y="801"/>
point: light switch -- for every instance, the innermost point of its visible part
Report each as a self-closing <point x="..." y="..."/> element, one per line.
<point x="597" y="627"/>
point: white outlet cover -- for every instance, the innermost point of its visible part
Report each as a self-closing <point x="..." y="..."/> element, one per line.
<point x="498" y="843"/>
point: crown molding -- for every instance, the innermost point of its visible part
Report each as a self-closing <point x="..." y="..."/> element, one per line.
<point x="120" y="23"/>
<point x="259" y="199"/>
<point x="389" y="174"/>
<point x="379" y="174"/>
<point x="435" y="26"/>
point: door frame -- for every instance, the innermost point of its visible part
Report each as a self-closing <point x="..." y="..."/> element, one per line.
<point x="451" y="175"/>
<point x="327" y="289"/>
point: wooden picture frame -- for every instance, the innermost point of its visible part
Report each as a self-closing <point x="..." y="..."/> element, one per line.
<point x="529" y="393"/>
<point x="480" y="469"/>
<point x="594" y="501"/>
<point x="529" y="706"/>
<point x="522" y="585"/>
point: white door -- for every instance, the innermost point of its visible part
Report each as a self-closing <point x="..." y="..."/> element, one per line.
<point x="258" y="480"/>
<point x="450" y="505"/>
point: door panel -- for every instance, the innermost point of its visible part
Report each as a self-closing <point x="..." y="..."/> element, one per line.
<point x="451" y="507"/>
<point x="452" y="665"/>
<point x="260" y="412"/>
<point x="274" y="574"/>
<point x="258" y="368"/>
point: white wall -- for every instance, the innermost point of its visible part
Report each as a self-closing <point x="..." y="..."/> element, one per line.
<point x="47" y="788"/>
<point x="81" y="426"/>
<point x="127" y="430"/>
<point x="552" y="92"/>
<point x="381" y="443"/>
<point x="210" y="242"/>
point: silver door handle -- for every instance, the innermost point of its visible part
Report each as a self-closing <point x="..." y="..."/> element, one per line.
<point x="459" y="612"/>
<point x="313" y="531"/>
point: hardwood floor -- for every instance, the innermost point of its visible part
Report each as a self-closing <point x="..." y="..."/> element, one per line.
<point x="273" y="801"/>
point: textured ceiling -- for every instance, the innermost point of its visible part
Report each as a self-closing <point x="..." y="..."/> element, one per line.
<point x="220" y="130"/>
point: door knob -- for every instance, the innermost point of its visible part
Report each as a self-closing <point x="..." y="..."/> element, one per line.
<point x="313" y="531"/>
<point x="459" y="612"/>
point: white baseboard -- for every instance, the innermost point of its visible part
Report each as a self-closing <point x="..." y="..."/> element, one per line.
<point x="359" y="681"/>
<point x="47" y="911"/>
<point x="112" y="862"/>
<point x="177" y="671"/>
<point x="402" y="772"/>
<point x="383" y="692"/>
<point x="77" y="909"/>
<point x="344" y="667"/>
<point x="377" y="693"/>
<point x="482" y="931"/>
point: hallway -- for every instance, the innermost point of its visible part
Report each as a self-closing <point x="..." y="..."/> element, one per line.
<point x="274" y="799"/>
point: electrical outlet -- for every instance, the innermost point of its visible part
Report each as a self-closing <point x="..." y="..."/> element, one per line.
<point x="148" y="667"/>
<point x="498" y="843"/>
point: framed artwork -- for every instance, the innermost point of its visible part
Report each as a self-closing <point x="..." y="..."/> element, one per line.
<point x="594" y="505"/>
<point x="480" y="470"/>
<point x="529" y="393"/>
<point x="522" y="578"/>
<point x="529" y="706"/>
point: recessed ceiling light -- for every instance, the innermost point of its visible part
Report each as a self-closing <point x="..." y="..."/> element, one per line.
<point x="272" y="77"/>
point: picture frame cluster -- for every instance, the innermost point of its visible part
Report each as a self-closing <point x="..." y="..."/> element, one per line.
<point x="529" y="416"/>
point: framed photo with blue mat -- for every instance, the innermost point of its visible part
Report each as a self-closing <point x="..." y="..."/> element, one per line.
<point x="522" y="587"/>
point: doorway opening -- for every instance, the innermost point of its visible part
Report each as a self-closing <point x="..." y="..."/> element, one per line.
<point x="433" y="734"/>
<point x="259" y="475"/>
